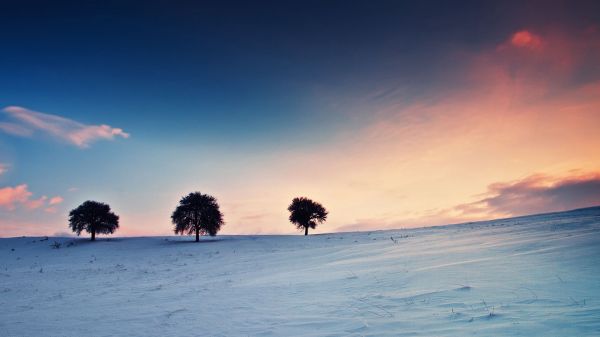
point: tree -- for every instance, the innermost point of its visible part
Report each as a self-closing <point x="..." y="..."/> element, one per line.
<point x="197" y="213"/>
<point x="305" y="213"/>
<point x="93" y="217"/>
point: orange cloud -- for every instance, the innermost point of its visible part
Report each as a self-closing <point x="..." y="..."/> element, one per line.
<point x="526" y="39"/>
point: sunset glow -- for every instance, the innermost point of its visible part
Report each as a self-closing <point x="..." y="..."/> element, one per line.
<point x="404" y="131"/>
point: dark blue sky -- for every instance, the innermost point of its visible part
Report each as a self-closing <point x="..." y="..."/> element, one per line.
<point x="236" y="69"/>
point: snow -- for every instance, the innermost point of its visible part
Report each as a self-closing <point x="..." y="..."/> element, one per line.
<point x="529" y="276"/>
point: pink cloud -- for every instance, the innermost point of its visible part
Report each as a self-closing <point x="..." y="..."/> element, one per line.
<point x="526" y="39"/>
<point x="35" y="203"/>
<point x="83" y="136"/>
<point x="53" y="203"/>
<point x="78" y="134"/>
<point x="553" y="56"/>
<point x="11" y="197"/>
<point x="55" y="200"/>
<point x="15" y="129"/>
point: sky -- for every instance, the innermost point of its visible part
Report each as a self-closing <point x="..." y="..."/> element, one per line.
<point x="391" y="114"/>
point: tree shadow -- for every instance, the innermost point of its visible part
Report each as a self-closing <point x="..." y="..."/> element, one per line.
<point x="86" y="241"/>
<point x="167" y="241"/>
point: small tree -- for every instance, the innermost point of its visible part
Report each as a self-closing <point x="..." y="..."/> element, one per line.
<point x="197" y="213"/>
<point x="93" y="217"/>
<point x="305" y="213"/>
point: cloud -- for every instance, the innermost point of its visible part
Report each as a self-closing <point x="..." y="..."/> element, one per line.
<point x="505" y="113"/>
<point x="531" y="105"/>
<point x="15" y="129"/>
<point x="11" y="197"/>
<point x="536" y="194"/>
<point x="35" y="203"/>
<point x="78" y="134"/>
<point x="526" y="39"/>
<point x="55" y="200"/>
<point x="53" y="203"/>
<point x="51" y="210"/>
<point x="3" y="168"/>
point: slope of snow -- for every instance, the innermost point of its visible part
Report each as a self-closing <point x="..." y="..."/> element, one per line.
<point x="529" y="276"/>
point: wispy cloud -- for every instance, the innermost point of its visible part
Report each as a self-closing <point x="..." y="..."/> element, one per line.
<point x="27" y="122"/>
<point x="15" y="129"/>
<point x="11" y="197"/>
<point x="53" y="203"/>
<point x="3" y="168"/>
<point x="55" y="200"/>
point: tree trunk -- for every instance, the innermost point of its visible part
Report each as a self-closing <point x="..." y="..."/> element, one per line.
<point x="197" y="234"/>
<point x="305" y="230"/>
<point x="93" y="235"/>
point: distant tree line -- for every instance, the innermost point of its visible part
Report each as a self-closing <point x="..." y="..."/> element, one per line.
<point x="196" y="213"/>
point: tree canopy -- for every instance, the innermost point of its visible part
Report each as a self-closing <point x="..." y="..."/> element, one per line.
<point x="93" y="217"/>
<point x="305" y="213"/>
<point x="197" y="213"/>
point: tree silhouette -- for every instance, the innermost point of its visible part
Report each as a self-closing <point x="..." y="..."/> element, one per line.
<point x="197" y="213"/>
<point x="93" y="217"/>
<point x="305" y="213"/>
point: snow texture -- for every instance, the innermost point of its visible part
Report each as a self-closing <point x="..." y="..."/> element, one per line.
<point x="528" y="276"/>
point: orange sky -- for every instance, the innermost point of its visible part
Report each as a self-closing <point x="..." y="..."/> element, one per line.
<point x="518" y="115"/>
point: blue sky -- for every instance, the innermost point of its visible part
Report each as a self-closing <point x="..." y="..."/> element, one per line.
<point x="259" y="102"/>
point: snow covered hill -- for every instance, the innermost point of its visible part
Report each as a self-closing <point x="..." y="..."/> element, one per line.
<point x="528" y="276"/>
